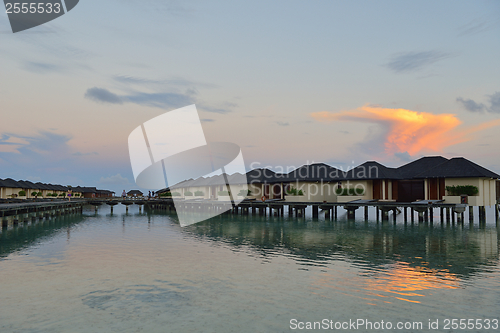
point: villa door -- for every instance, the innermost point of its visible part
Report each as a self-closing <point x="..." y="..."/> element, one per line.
<point x="377" y="190"/>
<point x="433" y="188"/>
<point x="276" y="191"/>
<point x="410" y="190"/>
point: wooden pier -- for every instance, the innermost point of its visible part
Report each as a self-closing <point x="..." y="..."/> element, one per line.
<point x="426" y="210"/>
<point x="421" y="211"/>
<point x="15" y="213"/>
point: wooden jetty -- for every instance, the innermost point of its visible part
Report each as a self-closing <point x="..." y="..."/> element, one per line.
<point x="24" y="212"/>
<point x="425" y="209"/>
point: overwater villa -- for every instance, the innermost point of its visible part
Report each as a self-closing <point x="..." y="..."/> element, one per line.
<point x="428" y="178"/>
<point x="24" y="189"/>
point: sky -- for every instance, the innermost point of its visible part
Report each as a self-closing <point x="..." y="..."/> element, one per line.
<point x="290" y="82"/>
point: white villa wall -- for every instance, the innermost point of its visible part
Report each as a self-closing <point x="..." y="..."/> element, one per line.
<point x="329" y="194"/>
<point x="236" y="188"/>
<point x="256" y="190"/>
<point x="366" y="184"/>
<point x="486" y="186"/>
<point x="207" y="191"/>
<point x="315" y="191"/>
<point x="8" y="191"/>
<point x="203" y="189"/>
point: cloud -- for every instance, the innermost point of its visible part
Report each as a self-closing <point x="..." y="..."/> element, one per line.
<point x="176" y="81"/>
<point x="42" y="68"/>
<point x="414" y="61"/>
<point x="404" y="156"/>
<point x="474" y="27"/>
<point x="43" y="152"/>
<point x="207" y="120"/>
<point x="473" y="106"/>
<point x="405" y="131"/>
<point x="167" y="100"/>
<point x="283" y="123"/>
<point x="85" y="154"/>
<point x="42" y="143"/>
<point x="220" y="110"/>
<point x="161" y="100"/>
<point x="114" y="180"/>
<point x="103" y="96"/>
<point x="495" y="103"/>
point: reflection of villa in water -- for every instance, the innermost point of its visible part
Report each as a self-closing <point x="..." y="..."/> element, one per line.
<point x="450" y="250"/>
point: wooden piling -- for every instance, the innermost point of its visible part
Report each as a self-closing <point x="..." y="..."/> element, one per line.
<point x="315" y="211"/>
<point x="366" y="213"/>
<point x="405" y="213"/>
<point x="482" y="214"/>
<point x="471" y="214"/>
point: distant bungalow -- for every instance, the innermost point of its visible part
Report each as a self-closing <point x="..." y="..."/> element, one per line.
<point x="428" y="178"/>
<point x="24" y="189"/>
<point x="134" y="193"/>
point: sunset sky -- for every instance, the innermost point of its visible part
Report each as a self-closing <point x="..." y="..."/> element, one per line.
<point x="290" y="82"/>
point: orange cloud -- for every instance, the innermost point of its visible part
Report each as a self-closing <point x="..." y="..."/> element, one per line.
<point x="409" y="131"/>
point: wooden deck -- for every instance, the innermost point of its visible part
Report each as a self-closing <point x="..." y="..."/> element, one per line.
<point x="425" y="208"/>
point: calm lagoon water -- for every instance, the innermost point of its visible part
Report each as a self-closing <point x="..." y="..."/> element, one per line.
<point x="144" y="273"/>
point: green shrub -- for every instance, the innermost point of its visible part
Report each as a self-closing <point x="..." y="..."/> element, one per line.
<point x="166" y="194"/>
<point x="340" y="191"/>
<point x="77" y="194"/>
<point x="188" y="194"/>
<point x="199" y="193"/>
<point x="34" y="194"/>
<point x="223" y="193"/>
<point x="294" y="191"/>
<point x="244" y="193"/>
<point x="176" y="194"/>
<point x="62" y="194"/>
<point x="462" y="189"/>
<point x="54" y="194"/>
<point x="39" y="194"/>
<point x="22" y="193"/>
<point x="360" y="191"/>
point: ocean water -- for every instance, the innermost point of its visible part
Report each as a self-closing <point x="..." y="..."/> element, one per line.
<point x="142" y="272"/>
